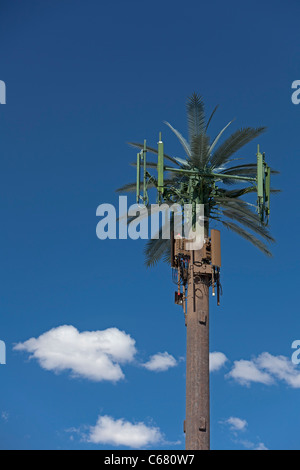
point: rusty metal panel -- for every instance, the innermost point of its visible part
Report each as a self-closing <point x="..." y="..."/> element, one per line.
<point x="215" y="247"/>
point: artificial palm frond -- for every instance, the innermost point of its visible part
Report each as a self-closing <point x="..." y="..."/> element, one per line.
<point x="275" y="191"/>
<point x="131" y="187"/>
<point x="208" y="163"/>
<point x="250" y="223"/>
<point x="149" y="164"/>
<point x="247" y="170"/>
<point x="216" y="140"/>
<point x="235" y="193"/>
<point x="181" y="139"/>
<point x="154" y="251"/>
<point x="153" y="150"/>
<point x="240" y="210"/>
<point x="235" y="142"/>
<point x="230" y="181"/>
<point x="200" y="151"/>
<point x="195" y="116"/>
<point x="210" y="118"/>
<point x="248" y="236"/>
<point x="127" y="188"/>
<point x="142" y="214"/>
<point x="167" y="255"/>
<point x="145" y="211"/>
<point x="235" y="202"/>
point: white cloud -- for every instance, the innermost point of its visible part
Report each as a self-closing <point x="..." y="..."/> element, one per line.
<point x="246" y="372"/>
<point x="247" y="444"/>
<point x="160" y="362"/>
<point x="94" y="355"/>
<point x="236" y="424"/>
<point x="4" y="415"/>
<point x="123" y="433"/>
<point x="251" y="446"/>
<point x="261" y="446"/>
<point x="216" y="361"/>
<point x="266" y="369"/>
<point x="280" y="367"/>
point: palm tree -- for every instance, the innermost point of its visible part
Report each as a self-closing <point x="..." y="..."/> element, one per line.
<point x="217" y="181"/>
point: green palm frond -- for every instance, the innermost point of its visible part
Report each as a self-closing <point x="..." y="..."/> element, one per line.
<point x="249" y="223"/>
<point x="131" y="187"/>
<point x="245" y="170"/>
<point x="127" y="188"/>
<point x="182" y="162"/>
<point x="149" y="164"/>
<point x="167" y="255"/>
<point x="241" y="210"/>
<point x="242" y="170"/>
<point x="234" y="143"/>
<point x="210" y="118"/>
<point x="205" y="158"/>
<point x="247" y="236"/>
<point x="200" y="151"/>
<point x="130" y="219"/>
<point x="195" y="116"/>
<point x="153" y="150"/>
<point x="235" y="193"/>
<point x="216" y="140"/>
<point x="181" y="139"/>
<point x="236" y="203"/>
<point x="155" y="250"/>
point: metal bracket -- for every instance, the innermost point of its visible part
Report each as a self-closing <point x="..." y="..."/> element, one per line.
<point x="202" y="424"/>
<point x="202" y="318"/>
<point x="203" y="269"/>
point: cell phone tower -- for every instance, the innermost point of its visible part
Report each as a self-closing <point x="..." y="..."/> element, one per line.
<point x="206" y="177"/>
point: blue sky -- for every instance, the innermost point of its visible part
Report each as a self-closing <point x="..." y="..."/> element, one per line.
<point x="83" y="78"/>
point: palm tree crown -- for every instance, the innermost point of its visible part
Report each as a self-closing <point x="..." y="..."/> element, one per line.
<point x="213" y="181"/>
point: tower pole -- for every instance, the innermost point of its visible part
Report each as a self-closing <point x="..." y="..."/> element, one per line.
<point x="197" y="423"/>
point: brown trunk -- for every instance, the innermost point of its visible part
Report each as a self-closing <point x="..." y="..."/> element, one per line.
<point x="197" y="424"/>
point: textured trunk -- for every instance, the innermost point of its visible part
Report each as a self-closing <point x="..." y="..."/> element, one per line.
<point x="197" y="424"/>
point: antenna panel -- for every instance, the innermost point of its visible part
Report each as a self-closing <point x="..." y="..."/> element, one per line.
<point x="215" y="237"/>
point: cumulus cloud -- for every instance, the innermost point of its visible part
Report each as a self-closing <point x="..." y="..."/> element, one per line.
<point x="236" y="424"/>
<point x="266" y="369"/>
<point x="280" y="367"/>
<point x="160" y="362"/>
<point x="123" y="433"/>
<point x="94" y="355"/>
<point x="246" y="372"/>
<point x="216" y="361"/>
<point x="261" y="446"/>
<point x="252" y="446"/>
